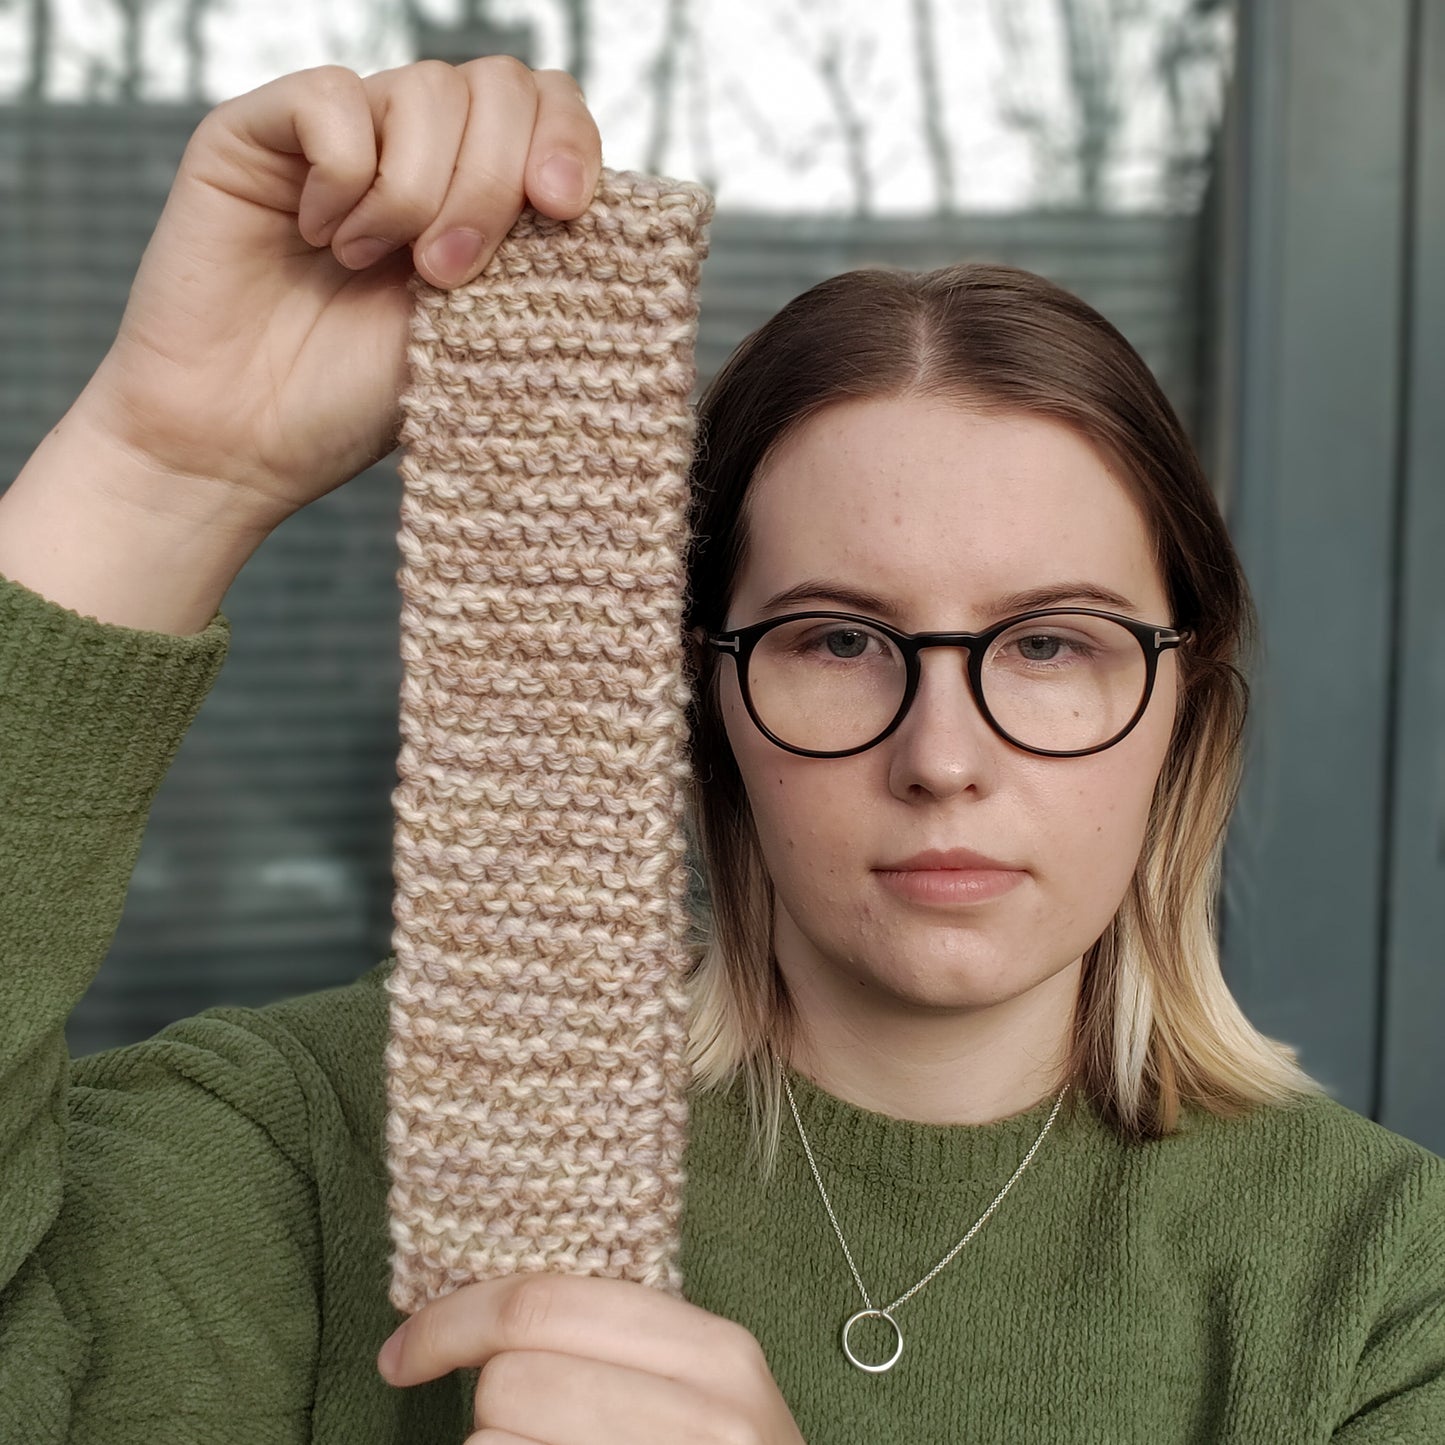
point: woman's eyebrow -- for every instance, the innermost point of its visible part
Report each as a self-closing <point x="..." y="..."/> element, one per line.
<point x="855" y="599"/>
<point x="1057" y="595"/>
<point x="820" y="589"/>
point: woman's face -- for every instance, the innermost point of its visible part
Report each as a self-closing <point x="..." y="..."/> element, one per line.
<point x="951" y="519"/>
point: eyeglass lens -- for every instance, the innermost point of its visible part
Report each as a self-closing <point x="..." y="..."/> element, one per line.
<point x="1059" y="683"/>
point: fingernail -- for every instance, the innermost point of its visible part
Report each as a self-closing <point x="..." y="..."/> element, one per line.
<point x="453" y="255"/>
<point x="390" y="1356"/>
<point x="366" y="251"/>
<point x="563" y="177"/>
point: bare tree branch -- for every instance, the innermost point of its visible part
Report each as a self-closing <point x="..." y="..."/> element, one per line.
<point x="850" y="123"/>
<point x="193" y="41"/>
<point x="40" y="50"/>
<point x="363" y="38"/>
<point x="131" y="80"/>
<point x="1094" y="42"/>
<point x="802" y="155"/>
<point x="1190" y="58"/>
<point x="579" y="39"/>
<point x="700" y="113"/>
<point x="1083" y="134"/>
<point x="474" y="31"/>
<point x="1019" y="104"/>
<point x="930" y="95"/>
<point x="830" y="54"/>
<point x="662" y="81"/>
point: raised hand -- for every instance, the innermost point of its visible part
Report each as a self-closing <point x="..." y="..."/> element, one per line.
<point x="262" y="350"/>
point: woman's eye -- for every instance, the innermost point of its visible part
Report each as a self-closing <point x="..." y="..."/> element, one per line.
<point x="847" y="643"/>
<point x="1039" y="649"/>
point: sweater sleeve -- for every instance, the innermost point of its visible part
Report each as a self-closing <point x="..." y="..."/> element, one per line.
<point x="1399" y="1385"/>
<point x="158" y="1251"/>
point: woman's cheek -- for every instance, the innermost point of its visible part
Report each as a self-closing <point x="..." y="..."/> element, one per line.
<point x="809" y="839"/>
<point x="1114" y="812"/>
<point x="794" y="847"/>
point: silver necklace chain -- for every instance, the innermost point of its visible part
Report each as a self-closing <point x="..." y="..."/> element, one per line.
<point x="886" y="1312"/>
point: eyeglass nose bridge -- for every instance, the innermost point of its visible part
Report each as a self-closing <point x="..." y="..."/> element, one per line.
<point x="971" y="644"/>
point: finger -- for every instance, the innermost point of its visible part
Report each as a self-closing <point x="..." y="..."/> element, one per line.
<point x="419" y="112"/>
<point x="500" y="1437"/>
<point x="322" y="117"/>
<point x="485" y="195"/>
<point x="565" y="1400"/>
<point x="566" y="153"/>
<point x="614" y="1321"/>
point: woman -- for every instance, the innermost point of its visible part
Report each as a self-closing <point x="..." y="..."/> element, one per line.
<point x="966" y="732"/>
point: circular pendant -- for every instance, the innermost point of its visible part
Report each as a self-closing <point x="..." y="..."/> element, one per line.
<point x="892" y="1360"/>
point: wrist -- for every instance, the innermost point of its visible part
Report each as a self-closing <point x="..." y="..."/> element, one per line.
<point x="101" y="530"/>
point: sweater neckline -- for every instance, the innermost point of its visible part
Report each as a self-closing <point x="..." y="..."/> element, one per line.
<point x="851" y="1140"/>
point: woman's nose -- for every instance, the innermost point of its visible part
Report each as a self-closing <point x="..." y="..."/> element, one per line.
<point x="944" y="745"/>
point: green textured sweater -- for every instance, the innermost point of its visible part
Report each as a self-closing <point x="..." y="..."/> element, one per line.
<point x="193" y="1239"/>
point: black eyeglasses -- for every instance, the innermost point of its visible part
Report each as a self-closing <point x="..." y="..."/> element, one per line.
<point x="1060" y="682"/>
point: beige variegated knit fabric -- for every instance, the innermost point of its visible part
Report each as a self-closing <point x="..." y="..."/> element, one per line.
<point x="536" y="1064"/>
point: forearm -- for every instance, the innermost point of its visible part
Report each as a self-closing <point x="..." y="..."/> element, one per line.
<point x="96" y="529"/>
<point x="90" y="719"/>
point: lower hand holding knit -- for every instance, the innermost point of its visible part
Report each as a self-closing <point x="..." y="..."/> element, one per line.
<point x="574" y="1360"/>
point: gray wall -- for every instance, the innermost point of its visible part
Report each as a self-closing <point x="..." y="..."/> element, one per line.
<point x="1335" y="357"/>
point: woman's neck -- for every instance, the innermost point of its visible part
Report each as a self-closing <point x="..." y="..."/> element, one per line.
<point x="934" y="1066"/>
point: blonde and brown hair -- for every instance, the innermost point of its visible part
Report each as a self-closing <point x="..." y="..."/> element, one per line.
<point x="1155" y="1026"/>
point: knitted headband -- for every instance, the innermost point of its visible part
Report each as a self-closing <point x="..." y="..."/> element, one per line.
<point x="536" y="1062"/>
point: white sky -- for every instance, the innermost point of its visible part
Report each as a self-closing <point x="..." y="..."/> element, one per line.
<point x="758" y="117"/>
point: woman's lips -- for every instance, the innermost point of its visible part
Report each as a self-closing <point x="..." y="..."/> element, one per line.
<point x="952" y="876"/>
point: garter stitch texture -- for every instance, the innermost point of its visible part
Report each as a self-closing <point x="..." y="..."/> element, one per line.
<point x="536" y="1066"/>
